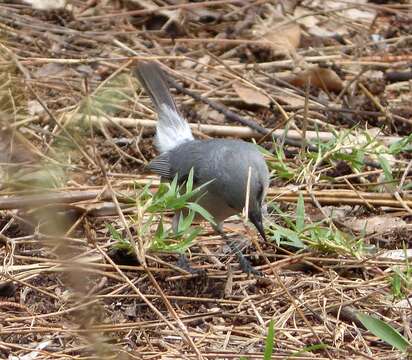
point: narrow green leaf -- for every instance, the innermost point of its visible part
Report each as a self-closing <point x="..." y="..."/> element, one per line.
<point x="189" y="182"/>
<point x="185" y="222"/>
<point x="386" y="167"/>
<point x="401" y="145"/>
<point x="396" y="285"/>
<point x="276" y="238"/>
<point x="291" y="236"/>
<point x="197" y="208"/>
<point x="188" y="220"/>
<point x="114" y="233"/>
<point x="196" y="231"/>
<point x="384" y="331"/>
<point x="270" y="341"/>
<point x="173" y="187"/>
<point x="176" y="203"/>
<point x="300" y="214"/>
<point x="160" y="230"/>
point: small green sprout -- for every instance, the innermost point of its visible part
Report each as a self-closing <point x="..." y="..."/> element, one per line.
<point x="170" y="197"/>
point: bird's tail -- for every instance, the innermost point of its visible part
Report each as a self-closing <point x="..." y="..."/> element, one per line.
<point x="171" y="129"/>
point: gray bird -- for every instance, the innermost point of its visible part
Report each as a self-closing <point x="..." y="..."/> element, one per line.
<point x="225" y="163"/>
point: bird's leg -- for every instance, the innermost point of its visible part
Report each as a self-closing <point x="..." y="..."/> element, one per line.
<point x="184" y="263"/>
<point x="244" y="263"/>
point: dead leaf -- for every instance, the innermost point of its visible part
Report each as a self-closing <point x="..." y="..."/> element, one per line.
<point x="404" y="304"/>
<point x="291" y="100"/>
<point x="216" y="117"/>
<point x="303" y="16"/>
<point x="397" y="254"/>
<point x="322" y="78"/>
<point x="375" y="224"/>
<point x="251" y="96"/>
<point x="319" y="31"/>
<point x="34" y="107"/>
<point x="277" y="35"/>
<point x="33" y="354"/>
<point x="283" y="39"/>
<point x="360" y="15"/>
<point x="51" y="69"/>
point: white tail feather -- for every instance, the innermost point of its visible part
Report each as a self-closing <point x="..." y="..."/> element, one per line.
<point x="171" y="129"/>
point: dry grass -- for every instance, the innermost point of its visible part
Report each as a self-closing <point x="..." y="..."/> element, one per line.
<point x="75" y="138"/>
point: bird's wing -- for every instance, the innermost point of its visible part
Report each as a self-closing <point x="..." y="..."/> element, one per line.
<point x="160" y="165"/>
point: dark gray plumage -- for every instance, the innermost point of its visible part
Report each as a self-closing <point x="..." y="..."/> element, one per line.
<point x="226" y="162"/>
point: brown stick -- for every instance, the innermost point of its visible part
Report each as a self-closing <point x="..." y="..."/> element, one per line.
<point x="242" y="132"/>
<point x="324" y="197"/>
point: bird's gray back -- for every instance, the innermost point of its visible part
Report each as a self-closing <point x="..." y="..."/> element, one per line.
<point x="224" y="161"/>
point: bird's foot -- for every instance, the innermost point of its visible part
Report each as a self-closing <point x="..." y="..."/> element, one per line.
<point x="244" y="263"/>
<point x="183" y="263"/>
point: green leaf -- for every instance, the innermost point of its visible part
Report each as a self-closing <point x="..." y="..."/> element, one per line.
<point x="291" y="236"/>
<point x="186" y="243"/>
<point x="160" y="230"/>
<point x="386" y="167"/>
<point x="300" y="214"/>
<point x="114" y="233"/>
<point x="189" y="181"/>
<point x="396" y="284"/>
<point x="384" y="331"/>
<point x="263" y="150"/>
<point x="173" y="187"/>
<point x="197" y="208"/>
<point x="145" y="228"/>
<point x="185" y="221"/>
<point x="270" y="340"/>
<point x="285" y="217"/>
<point x="276" y="238"/>
<point x="407" y="186"/>
<point x="177" y="203"/>
<point x="404" y="144"/>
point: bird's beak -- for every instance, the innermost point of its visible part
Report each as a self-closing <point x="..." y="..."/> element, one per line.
<point x="256" y="219"/>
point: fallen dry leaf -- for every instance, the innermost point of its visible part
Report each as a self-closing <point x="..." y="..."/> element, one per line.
<point x="319" y="25"/>
<point x="251" y="96"/>
<point x="319" y="31"/>
<point x="34" y="107"/>
<point x="322" y="78"/>
<point x="284" y="39"/>
<point x="404" y="303"/>
<point x="51" y="69"/>
<point x="33" y="354"/>
<point x="400" y="254"/>
<point x="375" y="224"/>
<point x="316" y="26"/>
<point x="277" y="35"/>
<point x="303" y="16"/>
<point x="291" y="99"/>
